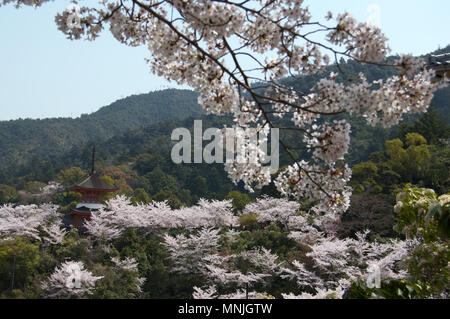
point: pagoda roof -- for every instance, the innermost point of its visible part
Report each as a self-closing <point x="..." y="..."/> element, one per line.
<point x="93" y="181"/>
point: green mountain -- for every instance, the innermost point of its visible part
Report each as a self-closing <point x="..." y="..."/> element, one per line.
<point x="22" y="139"/>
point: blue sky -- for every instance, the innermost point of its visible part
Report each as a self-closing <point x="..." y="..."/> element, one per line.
<point x="42" y="74"/>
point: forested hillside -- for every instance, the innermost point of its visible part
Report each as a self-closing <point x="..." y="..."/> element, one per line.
<point x="22" y="139"/>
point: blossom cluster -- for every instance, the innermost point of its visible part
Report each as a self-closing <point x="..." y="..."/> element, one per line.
<point x="251" y="153"/>
<point x="329" y="142"/>
<point x="118" y="215"/>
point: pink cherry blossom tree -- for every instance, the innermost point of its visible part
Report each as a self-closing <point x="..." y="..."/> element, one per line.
<point x="70" y="279"/>
<point x="119" y="214"/>
<point x="329" y="266"/>
<point x="130" y="265"/>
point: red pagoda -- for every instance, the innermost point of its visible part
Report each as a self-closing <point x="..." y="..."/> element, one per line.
<point x="91" y="189"/>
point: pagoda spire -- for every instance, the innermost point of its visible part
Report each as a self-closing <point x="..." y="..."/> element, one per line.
<point x="93" y="161"/>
